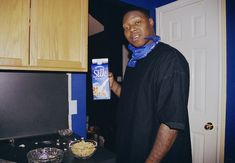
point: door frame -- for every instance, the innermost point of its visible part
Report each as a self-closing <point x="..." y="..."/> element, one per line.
<point x="223" y="81"/>
<point x="222" y="73"/>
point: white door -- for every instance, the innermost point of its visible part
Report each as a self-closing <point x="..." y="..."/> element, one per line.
<point x="193" y="27"/>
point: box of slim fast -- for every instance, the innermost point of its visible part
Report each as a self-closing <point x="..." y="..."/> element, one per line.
<point x="100" y="80"/>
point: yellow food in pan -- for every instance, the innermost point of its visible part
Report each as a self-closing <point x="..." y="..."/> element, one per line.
<point x="83" y="148"/>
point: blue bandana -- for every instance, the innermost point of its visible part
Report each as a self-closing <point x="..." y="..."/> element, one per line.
<point x="143" y="51"/>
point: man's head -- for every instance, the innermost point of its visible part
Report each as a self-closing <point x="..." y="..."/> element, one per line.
<point x="137" y="25"/>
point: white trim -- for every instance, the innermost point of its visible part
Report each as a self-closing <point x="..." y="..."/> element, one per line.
<point x="223" y="79"/>
<point x="72" y="103"/>
<point x="69" y="98"/>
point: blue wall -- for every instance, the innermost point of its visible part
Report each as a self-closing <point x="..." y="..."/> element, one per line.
<point x="230" y="108"/>
<point x="230" y="111"/>
<point x="150" y="4"/>
<point x="79" y="94"/>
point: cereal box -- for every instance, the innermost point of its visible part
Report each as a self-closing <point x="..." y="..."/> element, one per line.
<point x="100" y="80"/>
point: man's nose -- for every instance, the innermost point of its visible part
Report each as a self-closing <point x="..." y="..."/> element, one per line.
<point x="133" y="28"/>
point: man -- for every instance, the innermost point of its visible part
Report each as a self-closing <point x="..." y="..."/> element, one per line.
<point x="152" y="115"/>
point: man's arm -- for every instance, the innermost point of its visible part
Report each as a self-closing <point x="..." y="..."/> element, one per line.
<point x="164" y="140"/>
<point x="114" y="86"/>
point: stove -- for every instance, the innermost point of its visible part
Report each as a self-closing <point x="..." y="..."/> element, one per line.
<point x="15" y="150"/>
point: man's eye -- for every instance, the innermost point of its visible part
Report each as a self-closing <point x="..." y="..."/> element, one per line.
<point x="137" y="22"/>
<point x="126" y="28"/>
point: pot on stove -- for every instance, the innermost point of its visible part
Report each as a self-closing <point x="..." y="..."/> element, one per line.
<point x="45" y="155"/>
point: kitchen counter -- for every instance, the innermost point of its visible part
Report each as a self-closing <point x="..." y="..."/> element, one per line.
<point x="101" y="155"/>
<point x="17" y="150"/>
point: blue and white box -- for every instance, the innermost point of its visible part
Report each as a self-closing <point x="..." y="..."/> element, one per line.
<point x="100" y="79"/>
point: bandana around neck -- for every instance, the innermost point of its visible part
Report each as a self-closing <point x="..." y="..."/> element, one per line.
<point x="143" y="51"/>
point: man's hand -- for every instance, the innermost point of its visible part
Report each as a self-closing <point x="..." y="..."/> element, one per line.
<point x="111" y="79"/>
<point x="114" y="86"/>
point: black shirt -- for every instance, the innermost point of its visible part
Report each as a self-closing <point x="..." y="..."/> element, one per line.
<point x="155" y="91"/>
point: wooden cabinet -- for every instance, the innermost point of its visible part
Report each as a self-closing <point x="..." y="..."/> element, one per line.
<point x="44" y="35"/>
<point x="14" y="33"/>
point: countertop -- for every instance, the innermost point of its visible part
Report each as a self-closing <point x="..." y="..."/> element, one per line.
<point x="17" y="151"/>
<point x="101" y="155"/>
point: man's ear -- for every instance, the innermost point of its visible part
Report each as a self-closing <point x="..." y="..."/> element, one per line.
<point x="151" y="21"/>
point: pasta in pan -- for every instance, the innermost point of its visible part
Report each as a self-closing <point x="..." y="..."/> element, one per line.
<point x="83" y="148"/>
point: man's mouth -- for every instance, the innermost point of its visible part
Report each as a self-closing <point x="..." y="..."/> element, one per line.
<point x="135" y="38"/>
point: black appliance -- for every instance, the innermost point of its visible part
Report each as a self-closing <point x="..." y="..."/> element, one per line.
<point x="32" y="103"/>
<point x="15" y="150"/>
<point x="33" y="108"/>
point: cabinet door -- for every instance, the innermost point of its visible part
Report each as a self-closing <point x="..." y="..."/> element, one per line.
<point x="14" y="33"/>
<point x="59" y="35"/>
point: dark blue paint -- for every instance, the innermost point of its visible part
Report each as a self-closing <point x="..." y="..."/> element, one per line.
<point x="230" y="110"/>
<point x="151" y="5"/>
<point x="79" y="94"/>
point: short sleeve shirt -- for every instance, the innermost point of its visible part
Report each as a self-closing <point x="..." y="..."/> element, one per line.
<point x="155" y="91"/>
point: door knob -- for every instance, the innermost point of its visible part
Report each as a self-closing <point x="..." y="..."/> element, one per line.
<point x="208" y="126"/>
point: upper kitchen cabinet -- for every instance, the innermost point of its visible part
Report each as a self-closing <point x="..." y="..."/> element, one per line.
<point x="14" y="33"/>
<point x="59" y="34"/>
<point x="44" y="35"/>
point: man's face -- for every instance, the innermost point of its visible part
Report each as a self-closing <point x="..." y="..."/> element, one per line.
<point x="136" y="27"/>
